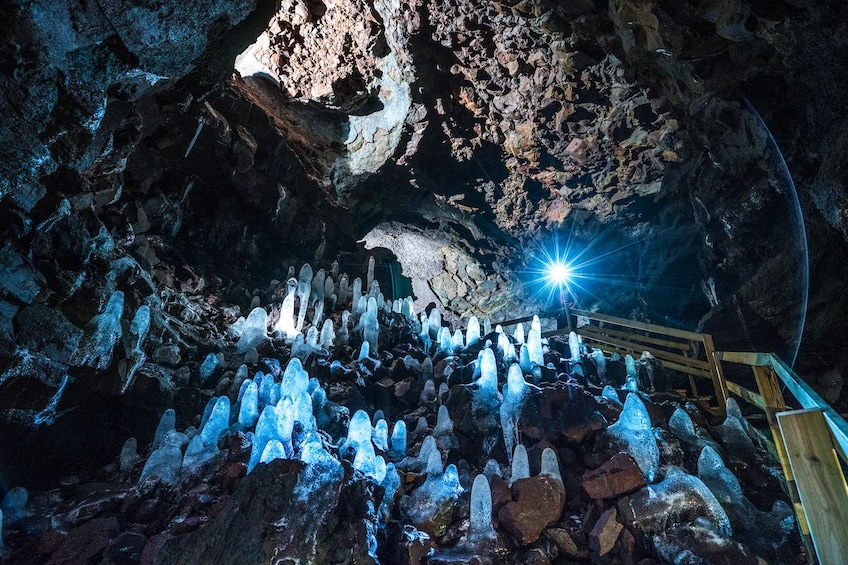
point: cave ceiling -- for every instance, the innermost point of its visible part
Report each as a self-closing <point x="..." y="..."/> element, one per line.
<point x="236" y="137"/>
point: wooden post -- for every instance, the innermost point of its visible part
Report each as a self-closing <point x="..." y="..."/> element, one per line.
<point x="716" y="372"/>
<point x="821" y="483"/>
<point x="769" y="387"/>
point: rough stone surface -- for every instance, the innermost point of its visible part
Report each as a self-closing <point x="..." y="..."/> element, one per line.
<point x="620" y="475"/>
<point x="605" y="533"/>
<point x="537" y="503"/>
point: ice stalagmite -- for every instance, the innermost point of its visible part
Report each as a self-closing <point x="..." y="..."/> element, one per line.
<point x="444" y="424"/>
<point x="166" y="424"/>
<point x="328" y="335"/>
<point x="520" y="464"/>
<point x="129" y="455"/>
<point x="721" y="480"/>
<point x="398" y="441"/>
<point x="343" y="335"/>
<point x="254" y="332"/>
<point x="435" y="319"/>
<point x="317" y="297"/>
<point x="480" y="515"/>
<point x="457" y="341"/>
<point x="600" y="363"/>
<point x="266" y="430"/>
<point x="204" y="446"/>
<point x="273" y="450"/>
<point x="610" y="394"/>
<point x="519" y="333"/>
<point x="286" y="323"/>
<point x="357" y="294"/>
<point x="633" y="428"/>
<point x="100" y="336"/>
<point x="472" y="333"/>
<point x="249" y="407"/>
<point x="304" y="288"/>
<point x="514" y="394"/>
<point x="380" y="435"/>
<point x="370" y="325"/>
<point x="370" y="273"/>
<point x="295" y="379"/>
<point x="445" y="341"/>
<point x="550" y="464"/>
<point x="343" y="297"/>
<point x="165" y="462"/>
<point x="574" y="346"/>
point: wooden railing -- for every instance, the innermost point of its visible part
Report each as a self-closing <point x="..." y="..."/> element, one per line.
<point x="688" y="352"/>
<point x="809" y="443"/>
<point x="808" y="437"/>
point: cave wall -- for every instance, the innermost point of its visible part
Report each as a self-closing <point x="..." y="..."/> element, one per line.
<point x="619" y="126"/>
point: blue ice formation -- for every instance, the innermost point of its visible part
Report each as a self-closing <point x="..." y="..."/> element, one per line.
<point x="721" y="480"/>
<point x="164" y="463"/>
<point x="574" y="346"/>
<point x="328" y="335"/>
<point x="380" y="435"/>
<point x="633" y="429"/>
<point x="208" y="367"/>
<point x="518" y="334"/>
<point x="398" y="440"/>
<point x="681" y="491"/>
<point x="204" y="446"/>
<point x="254" y="332"/>
<point x="249" y="406"/>
<point x="480" y="515"/>
<point x="610" y="394"/>
<point x="14" y="504"/>
<point x="472" y="332"/>
<point x="166" y="424"/>
<point x="285" y="322"/>
<point x="295" y="379"/>
<point x="520" y="464"/>
<point x="550" y="464"/>
<point x="435" y="323"/>
<point x="514" y="394"/>
<point x="444" y="424"/>
<point x="304" y="288"/>
<point x="732" y="430"/>
<point x="100" y="336"/>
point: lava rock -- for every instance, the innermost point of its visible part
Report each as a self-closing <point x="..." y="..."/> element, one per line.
<point x="605" y="533"/>
<point x="620" y="475"/>
<point x="537" y="503"/>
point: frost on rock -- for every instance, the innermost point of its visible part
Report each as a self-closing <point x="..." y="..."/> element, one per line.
<point x="165" y="462"/>
<point x="254" y="332"/>
<point x="679" y="498"/>
<point x="100" y="336"/>
<point x="732" y="431"/>
<point x="633" y="429"/>
<point x="432" y="500"/>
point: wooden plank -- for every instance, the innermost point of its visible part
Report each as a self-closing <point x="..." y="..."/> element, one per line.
<point x="689" y="370"/>
<point x="747" y="394"/>
<point x="808" y="398"/>
<point x="717" y="372"/>
<point x="624" y="322"/>
<point x="769" y="388"/>
<point x="637" y="348"/>
<point x="821" y="483"/>
<point x="745" y="358"/>
<point x="680" y="346"/>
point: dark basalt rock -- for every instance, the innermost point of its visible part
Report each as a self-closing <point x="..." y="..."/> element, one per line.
<point x="536" y="503"/>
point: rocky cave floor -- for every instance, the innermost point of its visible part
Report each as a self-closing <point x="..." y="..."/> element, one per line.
<point x="308" y="509"/>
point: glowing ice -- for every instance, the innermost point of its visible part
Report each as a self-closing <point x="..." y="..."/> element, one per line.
<point x="254" y="332"/>
<point x="166" y="424"/>
<point x="721" y="480"/>
<point x="304" y="288"/>
<point x="328" y="335"/>
<point x="513" y="401"/>
<point x="295" y="379"/>
<point x="435" y="320"/>
<point x="472" y="333"/>
<point x="574" y="346"/>
<point x="249" y="408"/>
<point x="550" y="464"/>
<point x="610" y="394"/>
<point x="380" y="435"/>
<point x="633" y="428"/>
<point x="285" y="323"/>
<point x="273" y="450"/>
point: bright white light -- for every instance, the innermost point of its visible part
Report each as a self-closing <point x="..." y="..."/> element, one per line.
<point x="558" y="273"/>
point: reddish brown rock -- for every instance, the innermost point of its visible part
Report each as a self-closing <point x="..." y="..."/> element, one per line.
<point x="620" y="475"/>
<point x="85" y="543"/>
<point x="605" y="533"/>
<point x="565" y="543"/>
<point x="537" y="503"/>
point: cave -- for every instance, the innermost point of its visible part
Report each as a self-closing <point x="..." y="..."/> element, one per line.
<point x="269" y="271"/>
